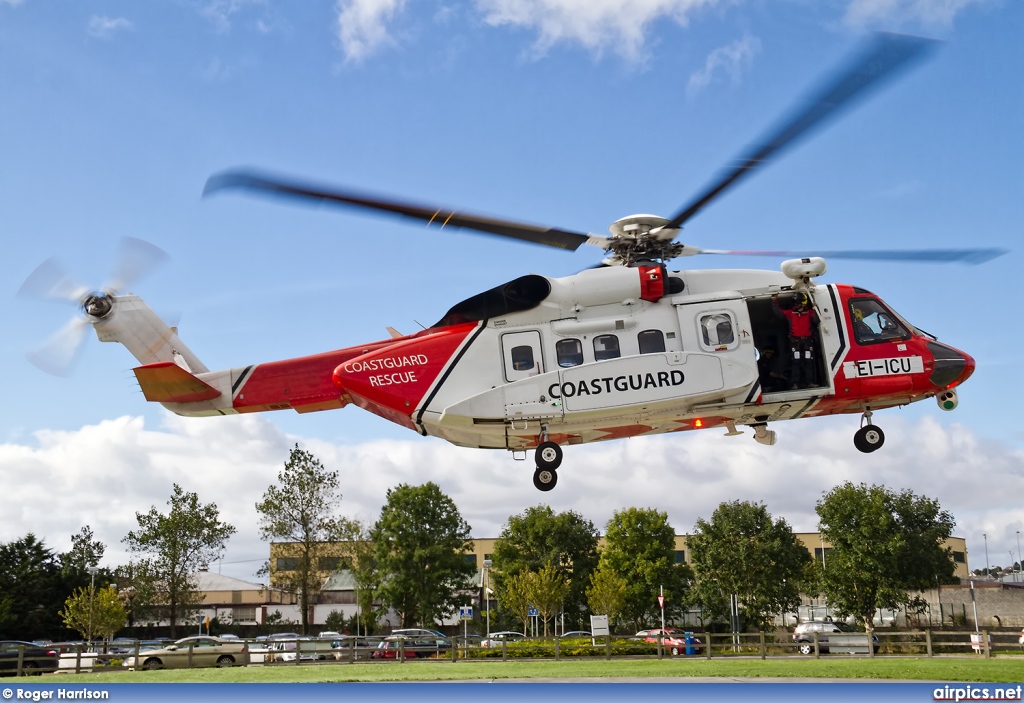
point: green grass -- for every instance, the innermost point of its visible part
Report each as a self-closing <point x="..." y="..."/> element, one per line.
<point x="958" y="669"/>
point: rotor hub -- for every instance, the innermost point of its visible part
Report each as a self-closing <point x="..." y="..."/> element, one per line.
<point x="97" y="305"/>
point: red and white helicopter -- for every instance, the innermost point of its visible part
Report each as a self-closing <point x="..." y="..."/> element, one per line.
<point x="624" y="349"/>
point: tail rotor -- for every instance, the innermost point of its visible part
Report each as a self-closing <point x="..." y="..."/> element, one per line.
<point x="51" y="281"/>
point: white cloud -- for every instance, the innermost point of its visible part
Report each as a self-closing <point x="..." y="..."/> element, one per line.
<point x="732" y="60"/>
<point x="222" y="13"/>
<point x="598" y="25"/>
<point x="889" y="13"/>
<point x="101" y="475"/>
<point x="104" y="27"/>
<point x="362" y="26"/>
<point x="12" y="3"/>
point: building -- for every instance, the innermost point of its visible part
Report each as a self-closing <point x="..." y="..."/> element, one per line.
<point x="232" y="601"/>
<point x="338" y="593"/>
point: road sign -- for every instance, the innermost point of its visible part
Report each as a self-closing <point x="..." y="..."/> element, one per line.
<point x="466" y="612"/>
<point x="661" y="602"/>
<point x="533" y="612"/>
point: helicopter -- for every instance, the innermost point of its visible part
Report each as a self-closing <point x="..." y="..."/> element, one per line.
<point x="626" y="348"/>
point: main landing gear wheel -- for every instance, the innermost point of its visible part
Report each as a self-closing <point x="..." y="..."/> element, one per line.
<point x="545" y="479"/>
<point x="548" y="456"/>
<point x="869" y="438"/>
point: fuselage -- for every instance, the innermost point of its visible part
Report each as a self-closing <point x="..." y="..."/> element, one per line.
<point x="609" y="353"/>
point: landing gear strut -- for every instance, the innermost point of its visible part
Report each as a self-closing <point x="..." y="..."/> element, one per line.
<point x="548" y="457"/>
<point x="869" y="437"/>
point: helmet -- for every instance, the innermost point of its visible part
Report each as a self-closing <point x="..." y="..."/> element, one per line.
<point x="858" y="313"/>
<point x="802" y="299"/>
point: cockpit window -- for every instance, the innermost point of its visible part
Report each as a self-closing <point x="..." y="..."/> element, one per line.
<point x="872" y="322"/>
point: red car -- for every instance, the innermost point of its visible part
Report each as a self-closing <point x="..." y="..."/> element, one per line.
<point x="390" y="647"/>
<point x="676" y="641"/>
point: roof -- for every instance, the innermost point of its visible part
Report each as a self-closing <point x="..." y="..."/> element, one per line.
<point x="209" y="581"/>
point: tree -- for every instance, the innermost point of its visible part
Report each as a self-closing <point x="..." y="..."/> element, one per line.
<point x="420" y="544"/>
<point x="743" y="551"/>
<point x="85" y="553"/>
<point x="95" y="613"/>
<point x="301" y="510"/>
<point x="640" y="548"/>
<point x="367" y="576"/>
<point x="548" y="590"/>
<point x="138" y="589"/>
<point x="190" y="535"/>
<point x="514" y="594"/>
<point x="607" y="593"/>
<point x="883" y="544"/>
<point x="539" y="537"/>
<point x="32" y="590"/>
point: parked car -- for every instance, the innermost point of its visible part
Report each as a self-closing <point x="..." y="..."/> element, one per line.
<point x="576" y="634"/>
<point x="496" y="638"/>
<point x="390" y="648"/>
<point x="803" y="635"/>
<point x="74" y="655"/>
<point x="35" y="660"/>
<point x="674" y="640"/>
<point x="1020" y="640"/>
<point x="206" y="651"/>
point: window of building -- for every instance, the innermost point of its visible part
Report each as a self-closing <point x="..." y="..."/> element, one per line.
<point x="470" y="558"/>
<point x="651" y="341"/>
<point x="606" y="346"/>
<point x="333" y="563"/>
<point x="243" y="614"/>
<point x="522" y="358"/>
<point x="287" y="563"/>
<point x="716" y="330"/>
<point x="680" y="556"/>
<point x="569" y="352"/>
<point x="818" y="552"/>
<point x="959" y="557"/>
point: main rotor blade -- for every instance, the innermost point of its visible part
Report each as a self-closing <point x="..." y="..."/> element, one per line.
<point x="246" y="180"/>
<point x="883" y="58"/>
<point x="963" y="256"/>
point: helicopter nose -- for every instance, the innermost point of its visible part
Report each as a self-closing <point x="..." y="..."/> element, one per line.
<point x="952" y="366"/>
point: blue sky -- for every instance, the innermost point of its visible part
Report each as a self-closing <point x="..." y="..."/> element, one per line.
<point x="569" y="114"/>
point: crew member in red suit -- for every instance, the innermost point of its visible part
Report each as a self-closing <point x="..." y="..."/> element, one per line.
<point x="802" y="321"/>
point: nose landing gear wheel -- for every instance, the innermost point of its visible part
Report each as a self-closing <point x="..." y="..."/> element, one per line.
<point x="544" y="479"/>
<point x="548" y="455"/>
<point x="869" y="438"/>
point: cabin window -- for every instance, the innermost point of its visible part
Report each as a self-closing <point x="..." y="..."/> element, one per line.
<point x="569" y="352"/>
<point x="522" y="358"/>
<point x="873" y="323"/>
<point x="717" y="330"/>
<point x="606" y="346"/>
<point x="651" y="341"/>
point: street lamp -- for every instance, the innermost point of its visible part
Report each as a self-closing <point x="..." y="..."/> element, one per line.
<point x="487" y="595"/>
<point x="988" y="570"/>
<point x="92" y="596"/>
<point x="1020" y="561"/>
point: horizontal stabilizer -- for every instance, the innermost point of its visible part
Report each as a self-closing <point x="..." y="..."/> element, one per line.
<point x="166" y="382"/>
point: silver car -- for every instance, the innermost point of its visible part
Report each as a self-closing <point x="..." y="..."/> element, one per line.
<point x="192" y="652"/>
